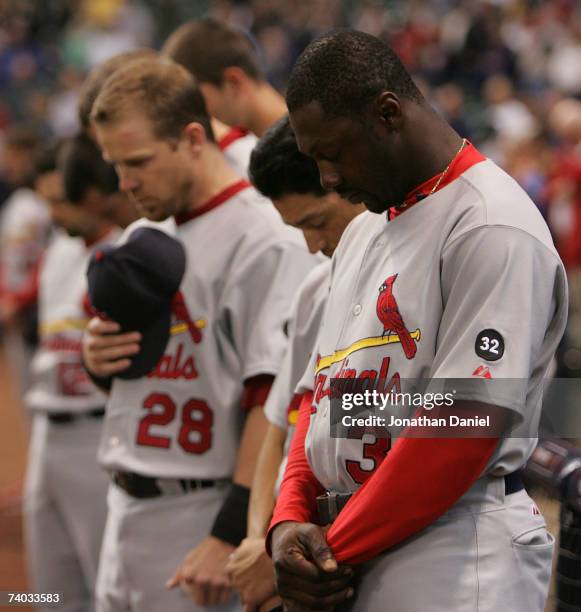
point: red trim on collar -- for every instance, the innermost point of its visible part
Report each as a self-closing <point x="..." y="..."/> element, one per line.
<point x="212" y="203"/>
<point x="469" y="156"/>
<point x="232" y="135"/>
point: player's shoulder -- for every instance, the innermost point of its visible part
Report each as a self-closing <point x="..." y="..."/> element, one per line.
<point x="318" y="276"/>
<point x="168" y="226"/>
<point x="23" y="207"/>
<point x="357" y="235"/>
<point x="317" y="281"/>
<point x="253" y="210"/>
<point x="62" y="249"/>
<point x="312" y="291"/>
<point x="486" y="197"/>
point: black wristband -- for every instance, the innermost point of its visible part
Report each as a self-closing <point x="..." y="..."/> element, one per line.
<point x="230" y="524"/>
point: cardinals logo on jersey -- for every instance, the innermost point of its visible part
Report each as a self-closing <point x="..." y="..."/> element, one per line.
<point x="389" y="315"/>
<point x="184" y="321"/>
<point x="394" y="331"/>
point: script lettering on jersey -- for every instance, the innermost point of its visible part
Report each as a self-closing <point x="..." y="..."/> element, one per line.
<point x="61" y="343"/>
<point x="378" y="379"/>
<point x="176" y="366"/>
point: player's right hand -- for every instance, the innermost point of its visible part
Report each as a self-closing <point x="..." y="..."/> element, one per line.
<point x="308" y="576"/>
<point x="106" y="351"/>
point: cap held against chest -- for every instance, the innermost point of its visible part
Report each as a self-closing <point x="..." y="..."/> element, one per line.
<point x="133" y="285"/>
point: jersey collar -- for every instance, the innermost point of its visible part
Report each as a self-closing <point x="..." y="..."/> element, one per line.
<point x="468" y="157"/>
<point x="220" y="198"/>
<point x="232" y="135"/>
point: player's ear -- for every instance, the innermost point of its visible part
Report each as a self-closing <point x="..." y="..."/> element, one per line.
<point x="195" y="136"/>
<point x="234" y="78"/>
<point x="387" y="108"/>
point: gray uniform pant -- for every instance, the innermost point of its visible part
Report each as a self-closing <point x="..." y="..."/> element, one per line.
<point x="145" y="541"/>
<point x="64" y="510"/>
<point x="490" y="552"/>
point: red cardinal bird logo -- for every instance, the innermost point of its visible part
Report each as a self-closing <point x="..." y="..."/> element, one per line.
<point x="388" y="314"/>
<point x="180" y="311"/>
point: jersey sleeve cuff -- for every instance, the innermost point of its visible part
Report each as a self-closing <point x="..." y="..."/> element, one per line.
<point x="256" y="390"/>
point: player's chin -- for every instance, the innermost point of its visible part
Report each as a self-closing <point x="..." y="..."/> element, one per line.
<point x="373" y="204"/>
<point x="153" y="213"/>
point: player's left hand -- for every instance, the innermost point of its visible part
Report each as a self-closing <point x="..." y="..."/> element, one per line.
<point x="307" y="575"/>
<point x="252" y="572"/>
<point x="203" y="575"/>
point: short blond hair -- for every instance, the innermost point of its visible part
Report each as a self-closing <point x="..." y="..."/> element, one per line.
<point x="98" y="76"/>
<point x="166" y="93"/>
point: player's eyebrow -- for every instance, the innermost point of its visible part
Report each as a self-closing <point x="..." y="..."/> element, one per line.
<point x="306" y="218"/>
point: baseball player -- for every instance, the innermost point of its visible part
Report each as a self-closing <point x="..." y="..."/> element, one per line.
<point x="291" y="180"/>
<point x="235" y="143"/>
<point x="25" y="230"/>
<point x="225" y="62"/>
<point x="175" y="438"/>
<point x="65" y="490"/>
<point x="457" y="278"/>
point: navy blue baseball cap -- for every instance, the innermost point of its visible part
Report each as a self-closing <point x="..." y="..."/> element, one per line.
<point x="134" y="284"/>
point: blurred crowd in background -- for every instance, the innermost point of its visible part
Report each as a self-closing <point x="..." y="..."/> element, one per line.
<point x="505" y="73"/>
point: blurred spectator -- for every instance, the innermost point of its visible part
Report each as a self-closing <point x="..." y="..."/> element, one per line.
<point x="104" y="28"/>
<point x="565" y="182"/>
<point x="25" y="226"/>
<point x="510" y="119"/>
<point x="16" y="159"/>
<point x="450" y="101"/>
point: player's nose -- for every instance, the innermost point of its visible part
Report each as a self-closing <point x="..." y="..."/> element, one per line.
<point x="127" y="182"/>
<point x="330" y="178"/>
<point x="314" y="241"/>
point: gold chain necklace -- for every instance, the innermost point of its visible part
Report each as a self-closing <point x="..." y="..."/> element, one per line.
<point x="464" y="141"/>
<point x="442" y="175"/>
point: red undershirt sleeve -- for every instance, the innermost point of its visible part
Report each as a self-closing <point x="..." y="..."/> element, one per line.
<point x="299" y="489"/>
<point x="419" y="480"/>
<point x="256" y="390"/>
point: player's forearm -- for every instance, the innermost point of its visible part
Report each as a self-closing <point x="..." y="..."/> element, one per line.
<point x="299" y="489"/>
<point x="419" y="480"/>
<point x="262" y="492"/>
<point x="250" y="442"/>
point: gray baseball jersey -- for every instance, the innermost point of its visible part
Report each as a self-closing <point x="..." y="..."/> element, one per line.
<point x="243" y="268"/>
<point x="59" y="380"/>
<point x="465" y="283"/>
<point x="237" y="145"/>
<point x="304" y="322"/>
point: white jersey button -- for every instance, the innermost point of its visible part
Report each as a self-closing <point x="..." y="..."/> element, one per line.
<point x="357" y="309"/>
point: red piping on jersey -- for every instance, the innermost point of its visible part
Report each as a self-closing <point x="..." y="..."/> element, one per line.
<point x="219" y="198"/>
<point x="468" y="157"/>
<point x="256" y="390"/>
<point x="232" y="135"/>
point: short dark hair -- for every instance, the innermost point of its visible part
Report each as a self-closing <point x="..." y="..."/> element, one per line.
<point x="344" y="70"/>
<point x="163" y="90"/>
<point x="46" y="158"/>
<point x="278" y="168"/>
<point x="83" y="167"/>
<point x="206" y="47"/>
<point x="97" y="77"/>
